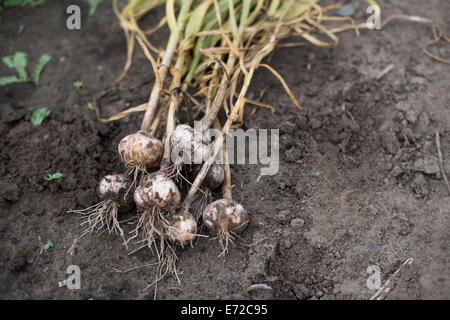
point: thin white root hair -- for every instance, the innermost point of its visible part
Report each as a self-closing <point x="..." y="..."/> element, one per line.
<point x="167" y="260"/>
<point x="136" y="171"/>
<point x="226" y="237"/>
<point x="101" y="217"/>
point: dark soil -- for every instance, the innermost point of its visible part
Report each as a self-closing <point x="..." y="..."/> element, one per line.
<point x="359" y="181"/>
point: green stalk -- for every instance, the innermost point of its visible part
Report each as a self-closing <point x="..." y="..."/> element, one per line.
<point x="210" y="23"/>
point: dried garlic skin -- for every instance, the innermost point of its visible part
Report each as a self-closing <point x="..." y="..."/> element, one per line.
<point x="141" y="150"/>
<point x="225" y="214"/>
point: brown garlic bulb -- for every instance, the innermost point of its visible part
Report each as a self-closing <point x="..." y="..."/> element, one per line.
<point x="183" y="227"/>
<point x="225" y="214"/>
<point x="115" y="187"/>
<point x="140" y="150"/>
<point x="158" y="191"/>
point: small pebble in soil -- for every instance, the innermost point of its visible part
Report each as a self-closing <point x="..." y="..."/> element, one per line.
<point x="297" y="223"/>
<point x="411" y="116"/>
<point x="396" y="171"/>
<point x="368" y="245"/>
<point x="286" y="243"/>
<point x="315" y="124"/>
<point x="345" y="11"/>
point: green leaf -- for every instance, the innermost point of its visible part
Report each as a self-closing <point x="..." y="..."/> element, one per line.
<point x="23" y="3"/>
<point x="53" y="176"/>
<point x="18" y="62"/>
<point x="38" y="116"/>
<point x="195" y="22"/>
<point x="23" y="76"/>
<point x="12" y="3"/>
<point x="48" y="245"/>
<point x="45" y="58"/>
<point x="34" y="3"/>
<point x="90" y="106"/>
<point x="78" y="84"/>
<point x="8" y="80"/>
<point x="93" y="6"/>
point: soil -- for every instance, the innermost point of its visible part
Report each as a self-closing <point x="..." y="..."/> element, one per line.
<point x="359" y="181"/>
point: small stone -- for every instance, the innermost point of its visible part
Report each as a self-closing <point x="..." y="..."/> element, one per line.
<point x="345" y="11"/>
<point x="286" y="244"/>
<point x="396" y="171"/>
<point x="411" y="116"/>
<point x="297" y="223"/>
<point x="368" y="245"/>
<point x="315" y="124"/>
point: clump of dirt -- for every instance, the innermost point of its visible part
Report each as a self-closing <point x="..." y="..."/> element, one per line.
<point x="359" y="182"/>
